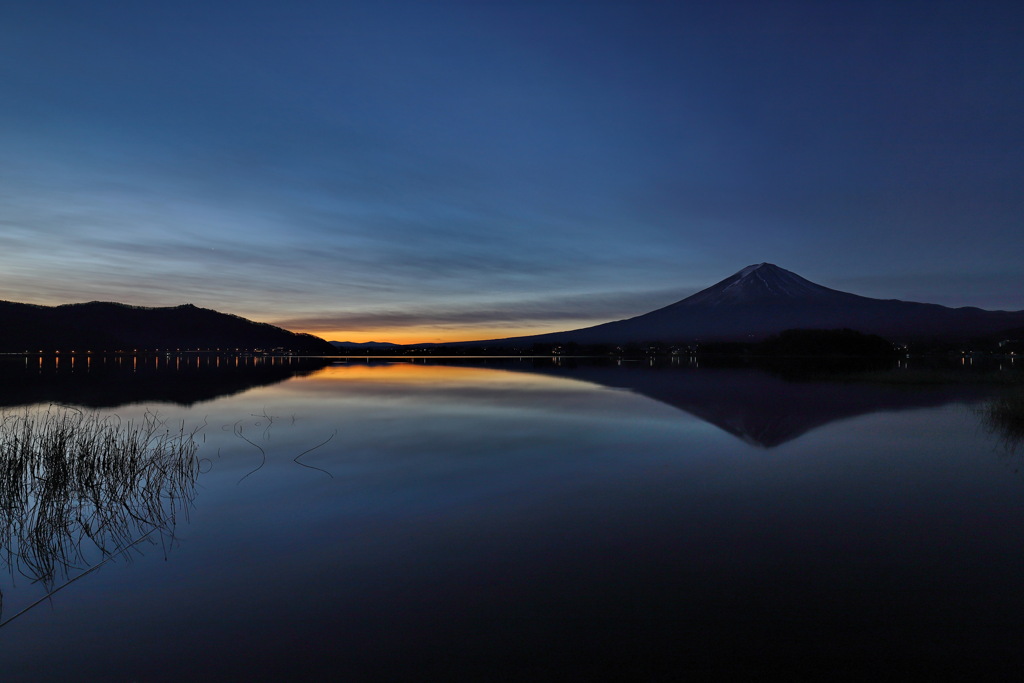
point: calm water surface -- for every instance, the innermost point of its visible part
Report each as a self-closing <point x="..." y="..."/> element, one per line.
<point x="512" y="520"/>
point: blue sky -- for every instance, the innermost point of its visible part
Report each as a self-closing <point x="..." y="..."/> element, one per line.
<point x="430" y="171"/>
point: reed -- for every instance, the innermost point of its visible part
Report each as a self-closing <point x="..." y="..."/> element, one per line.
<point x="1005" y="414"/>
<point x="77" y="487"/>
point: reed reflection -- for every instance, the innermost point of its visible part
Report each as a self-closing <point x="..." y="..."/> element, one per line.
<point x="1004" y="415"/>
<point x="80" y="488"/>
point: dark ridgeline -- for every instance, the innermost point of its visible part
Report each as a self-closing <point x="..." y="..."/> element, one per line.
<point x="806" y="343"/>
<point x="763" y="300"/>
<point x="103" y="326"/>
<point x="757" y="302"/>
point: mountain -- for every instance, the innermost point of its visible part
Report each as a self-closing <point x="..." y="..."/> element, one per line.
<point x="764" y="299"/>
<point x="363" y="346"/>
<point x="104" y="326"/>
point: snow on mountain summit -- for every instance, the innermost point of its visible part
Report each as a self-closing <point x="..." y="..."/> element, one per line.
<point x="759" y="283"/>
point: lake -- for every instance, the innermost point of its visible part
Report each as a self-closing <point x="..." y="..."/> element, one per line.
<point x="512" y="519"/>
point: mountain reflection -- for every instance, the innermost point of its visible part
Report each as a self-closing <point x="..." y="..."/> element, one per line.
<point x="78" y="488"/>
<point x="111" y="381"/>
<point x="765" y="409"/>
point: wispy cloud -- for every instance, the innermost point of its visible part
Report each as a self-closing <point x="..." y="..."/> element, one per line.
<point x="583" y="308"/>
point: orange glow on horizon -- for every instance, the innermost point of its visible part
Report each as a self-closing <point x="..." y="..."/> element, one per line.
<point x="404" y="372"/>
<point x="410" y="374"/>
<point x="434" y="335"/>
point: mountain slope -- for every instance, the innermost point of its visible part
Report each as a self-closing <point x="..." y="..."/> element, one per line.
<point x="105" y="326"/>
<point x="763" y="299"/>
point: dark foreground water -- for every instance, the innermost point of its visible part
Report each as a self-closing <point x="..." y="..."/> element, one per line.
<point x="512" y="520"/>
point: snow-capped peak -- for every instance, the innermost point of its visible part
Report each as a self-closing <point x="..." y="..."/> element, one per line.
<point x="750" y="269"/>
<point x="758" y="283"/>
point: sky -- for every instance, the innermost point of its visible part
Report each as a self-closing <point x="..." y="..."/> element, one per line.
<point x="440" y="171"/>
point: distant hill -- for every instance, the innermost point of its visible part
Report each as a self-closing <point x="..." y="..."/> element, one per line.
<point x="363" y="345"/>
<point x="104" y="326"/>
<point x="763" y="300"/>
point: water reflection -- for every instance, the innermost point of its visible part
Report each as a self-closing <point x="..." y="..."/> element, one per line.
<point x="764" y="409"/>
<point x="110" y="381"/>
<point x="474" y="519"/>
<point x="79" y="488"/>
